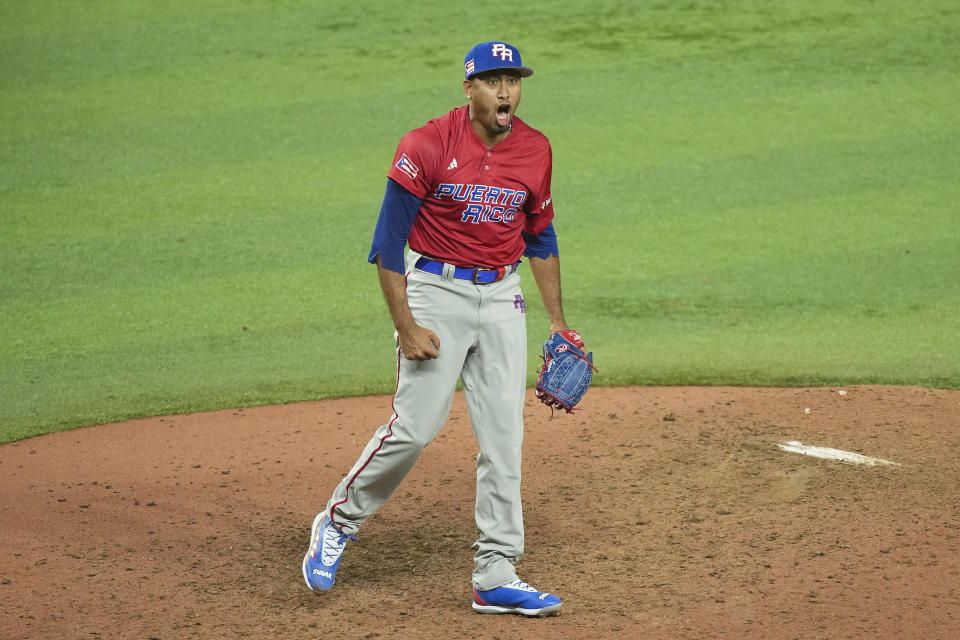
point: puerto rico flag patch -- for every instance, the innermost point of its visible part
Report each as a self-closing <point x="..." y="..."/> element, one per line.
<point x="406" y="165"/>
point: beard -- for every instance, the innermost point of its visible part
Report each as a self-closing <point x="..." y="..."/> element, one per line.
<point x="498" y="129"/>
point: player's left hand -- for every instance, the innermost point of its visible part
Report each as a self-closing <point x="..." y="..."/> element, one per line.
<point x="567" y="371"/>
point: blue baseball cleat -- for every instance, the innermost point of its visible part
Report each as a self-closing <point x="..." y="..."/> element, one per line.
<point x="517" y="597"/>
<point x="323" y="557"/>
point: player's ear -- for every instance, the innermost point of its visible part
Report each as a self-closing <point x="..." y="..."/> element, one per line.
<point x="466" y="88"/>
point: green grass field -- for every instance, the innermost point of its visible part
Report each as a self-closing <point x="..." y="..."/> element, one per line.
<point x="748" y="192"/>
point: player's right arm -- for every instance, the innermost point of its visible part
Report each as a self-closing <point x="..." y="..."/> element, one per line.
<point x="397" y="213"/>
<point x="416" y="342"/>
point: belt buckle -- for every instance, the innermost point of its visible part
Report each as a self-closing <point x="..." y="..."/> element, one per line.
<point x="500" y="273"/>
<point x="476" y="274"/>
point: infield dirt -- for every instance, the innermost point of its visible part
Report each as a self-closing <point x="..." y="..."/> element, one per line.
<point x="653" y="512"/>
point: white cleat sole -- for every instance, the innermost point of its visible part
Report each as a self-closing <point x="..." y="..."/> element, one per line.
<point x="530" y="613"/>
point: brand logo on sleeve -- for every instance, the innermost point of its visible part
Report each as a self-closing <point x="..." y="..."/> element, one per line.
<point x="406" y="165"/>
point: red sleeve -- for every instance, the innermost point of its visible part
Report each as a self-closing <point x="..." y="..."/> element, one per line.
<point x="414" y="163"/>
<point x="539" y="210"/>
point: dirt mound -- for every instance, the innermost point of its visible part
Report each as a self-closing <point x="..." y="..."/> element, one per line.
<point x="653" y="512"/>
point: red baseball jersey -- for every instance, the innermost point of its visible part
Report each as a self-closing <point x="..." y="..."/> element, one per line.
<point x="476" y="200"/>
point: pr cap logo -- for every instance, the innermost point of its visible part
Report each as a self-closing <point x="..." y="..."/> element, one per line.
<point x="503" y="51"/>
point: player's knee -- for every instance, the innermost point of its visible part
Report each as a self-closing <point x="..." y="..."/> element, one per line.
<point x="415" y="438"/>
<point x="422" y="440"/>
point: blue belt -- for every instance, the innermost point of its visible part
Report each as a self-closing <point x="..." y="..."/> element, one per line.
<point x="476" y="275"/>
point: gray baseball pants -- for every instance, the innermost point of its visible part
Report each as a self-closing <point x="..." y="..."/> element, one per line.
<point x="482" y="331"/>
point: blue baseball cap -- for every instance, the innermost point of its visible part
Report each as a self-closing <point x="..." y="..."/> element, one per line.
<point x="488" y="56"/>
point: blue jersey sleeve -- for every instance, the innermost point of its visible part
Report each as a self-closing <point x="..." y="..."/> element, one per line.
<point x="397" y="213"/>
<point x="542" y="245"/>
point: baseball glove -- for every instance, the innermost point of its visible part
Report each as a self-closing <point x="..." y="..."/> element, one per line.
<point x="567" y="371"/>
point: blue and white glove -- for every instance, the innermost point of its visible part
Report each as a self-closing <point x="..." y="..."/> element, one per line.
<point x="567" y="371"/>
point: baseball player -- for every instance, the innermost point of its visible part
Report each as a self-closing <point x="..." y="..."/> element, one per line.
<point x="470" y="192"/>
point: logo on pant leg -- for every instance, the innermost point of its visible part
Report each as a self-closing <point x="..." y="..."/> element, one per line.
<point x="518" y="303"/>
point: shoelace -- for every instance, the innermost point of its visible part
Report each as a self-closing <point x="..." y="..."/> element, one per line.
<point x="334" y="541"/>
<point x="521" y="586"/>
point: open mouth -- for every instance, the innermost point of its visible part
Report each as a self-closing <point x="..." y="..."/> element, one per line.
<point x="503" y="115"/>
